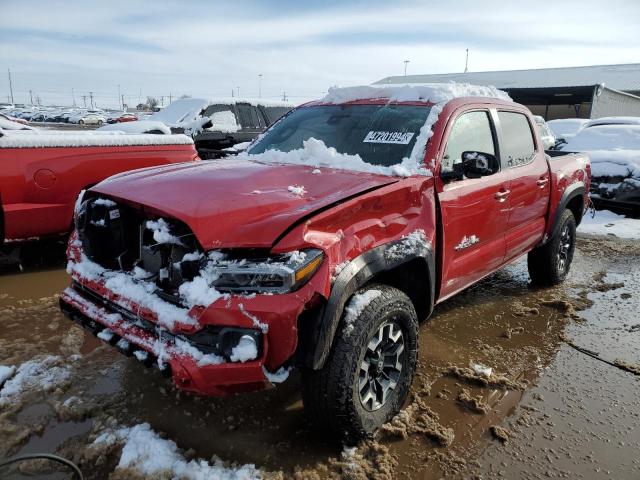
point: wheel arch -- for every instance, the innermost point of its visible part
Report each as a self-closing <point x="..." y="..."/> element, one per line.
<point x="410" y="268"/>
<point x="572" y="199"/>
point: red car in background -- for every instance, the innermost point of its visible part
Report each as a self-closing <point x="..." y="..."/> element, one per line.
<point x="44" y="171"/>
<point x="125" y="117"/>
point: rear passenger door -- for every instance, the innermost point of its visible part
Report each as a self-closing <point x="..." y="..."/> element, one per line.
<point x="474" y="210"/>
<point x="524" y="159"/>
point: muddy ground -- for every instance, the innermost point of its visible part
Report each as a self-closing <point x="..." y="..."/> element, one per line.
<point x="562" y="400"/>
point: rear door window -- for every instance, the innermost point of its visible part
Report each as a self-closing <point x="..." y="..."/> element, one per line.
<point x="249" y="117"/>
<point x="517" y="146"/>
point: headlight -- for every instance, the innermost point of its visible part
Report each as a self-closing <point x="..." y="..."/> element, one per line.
<point x="277" y="274"/>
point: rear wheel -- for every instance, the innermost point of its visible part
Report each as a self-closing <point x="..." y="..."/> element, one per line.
<point x="550" y="264"/>
<point x="100" y="122"/>
<point x="367" y="376"/>
<point x="80" y="122"/>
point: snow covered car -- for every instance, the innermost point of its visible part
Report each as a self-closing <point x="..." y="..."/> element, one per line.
<point x="217" y="124"/>
<point x="137" y="126"/>
<point x="324" y="244"/>
<point x="614" y="149"/>
<point x="90" y="119"/>
<point x="565" y="128"/>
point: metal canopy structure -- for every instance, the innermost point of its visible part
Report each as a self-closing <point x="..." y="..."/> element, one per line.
<point x="555" y="92"/>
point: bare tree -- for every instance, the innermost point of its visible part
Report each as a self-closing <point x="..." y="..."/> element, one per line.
<point x="152" y="102"/>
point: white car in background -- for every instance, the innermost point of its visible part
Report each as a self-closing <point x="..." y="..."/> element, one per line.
<point x="566" y="128"/>
<point x="88" y="118"/>
<point x="614" y="150"/>
<point x="546" y="135"/>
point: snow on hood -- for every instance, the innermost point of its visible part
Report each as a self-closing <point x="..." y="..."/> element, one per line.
<point x="51" y="138"/>
<point x="139" y="126"/>
<point x="235" y="202"/>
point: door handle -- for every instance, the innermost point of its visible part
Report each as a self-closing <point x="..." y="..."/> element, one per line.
<point x="502" y="195"/>
<point x="542" y="182"/>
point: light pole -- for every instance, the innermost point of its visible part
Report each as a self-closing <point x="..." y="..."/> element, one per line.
<point x="406" y="62"/>
<point x="259" y="85"/>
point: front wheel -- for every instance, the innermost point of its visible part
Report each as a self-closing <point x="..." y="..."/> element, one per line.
<point x="80" y="122"/>
<point x="550" y="264"/>
<point x="367" y="376"/>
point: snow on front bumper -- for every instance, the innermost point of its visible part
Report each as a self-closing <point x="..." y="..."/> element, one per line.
<point x="190" y="369"/>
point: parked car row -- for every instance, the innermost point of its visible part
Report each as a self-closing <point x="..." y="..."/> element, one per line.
<point x="68" y="115"/>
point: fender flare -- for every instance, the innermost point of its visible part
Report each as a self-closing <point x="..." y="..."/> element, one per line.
<point x="572" y="191"/>
<point x="358" y="272"/>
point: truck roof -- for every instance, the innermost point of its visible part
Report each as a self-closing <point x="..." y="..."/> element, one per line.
<point x="427" y="93"/>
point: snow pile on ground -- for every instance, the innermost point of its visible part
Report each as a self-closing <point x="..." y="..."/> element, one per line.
<point x="49" y="138"/>
<point x="609" y="223"/>
<point x="356" y="306"/>
<point x="6" y="372"/>
<point x="145" y="451"/>
<point x="139" y="126"/>
<point x="44" y="374"/>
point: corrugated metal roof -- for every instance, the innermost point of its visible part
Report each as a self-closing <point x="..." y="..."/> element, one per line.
<point x="625" y="77"/>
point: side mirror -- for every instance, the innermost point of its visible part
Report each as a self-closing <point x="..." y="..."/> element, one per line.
<point x="477" y="164"/>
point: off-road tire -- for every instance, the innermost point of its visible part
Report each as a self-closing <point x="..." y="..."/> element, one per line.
<point x="331" y="395"/>
<point x="544" y="263"/>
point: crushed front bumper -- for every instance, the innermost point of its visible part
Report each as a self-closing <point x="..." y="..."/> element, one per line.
<point x="157" y="347"/>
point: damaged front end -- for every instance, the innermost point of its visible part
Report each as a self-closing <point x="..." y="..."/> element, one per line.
<point x="144" y="284"/>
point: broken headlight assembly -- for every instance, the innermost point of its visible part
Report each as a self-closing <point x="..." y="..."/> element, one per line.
<point x="275" y="274"/>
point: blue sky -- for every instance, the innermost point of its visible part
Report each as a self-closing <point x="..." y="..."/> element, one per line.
<point x="208" y="48"/>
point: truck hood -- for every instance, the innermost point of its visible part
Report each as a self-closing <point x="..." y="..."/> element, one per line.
<point x="238" y="203"/>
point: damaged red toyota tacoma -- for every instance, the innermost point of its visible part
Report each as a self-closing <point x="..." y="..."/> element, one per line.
<point x="323" y="246"/>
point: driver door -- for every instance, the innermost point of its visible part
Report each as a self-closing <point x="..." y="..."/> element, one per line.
<point x="474" y="210"/>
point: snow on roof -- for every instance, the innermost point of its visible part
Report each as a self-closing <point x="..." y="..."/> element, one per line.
<point x="427" y="92"/>
<point x="624" y="77"/>
<point x="138" y="126"/>
<point x="50" y="138"/>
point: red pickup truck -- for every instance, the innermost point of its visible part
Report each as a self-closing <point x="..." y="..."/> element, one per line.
<point x="44" y="171"/>
<point x="324" y="245"/>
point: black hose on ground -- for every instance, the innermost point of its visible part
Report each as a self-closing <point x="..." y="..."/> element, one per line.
<point x="46" y="456"/>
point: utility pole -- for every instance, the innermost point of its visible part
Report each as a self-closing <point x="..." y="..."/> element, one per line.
<point x="84" y="99"/>
<point x="119" y="96"/>
<point x="10" y="84"/>
<point x="259" y="85"/>
<point x="232" y="93"/>
<point x="170" y="98"/>
<point x="31" y="96"/>
<point x="162" y="101"/>
<point x="91" y="97"/>
<point x="466" y="62"/>
<point x="284" y="96"/>
<point x="238" y="93"/>
<point x="73" y="96"/>
<point x="123" y="104"/>
<point x="406" y="62"/>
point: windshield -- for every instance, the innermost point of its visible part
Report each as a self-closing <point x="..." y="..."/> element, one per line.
<point x="380" y="134"/>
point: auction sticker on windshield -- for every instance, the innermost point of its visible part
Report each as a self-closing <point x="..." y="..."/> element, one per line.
<point x="402" y="138"/>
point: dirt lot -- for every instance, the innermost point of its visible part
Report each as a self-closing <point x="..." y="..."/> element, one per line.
<point x="561" y="401"/>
